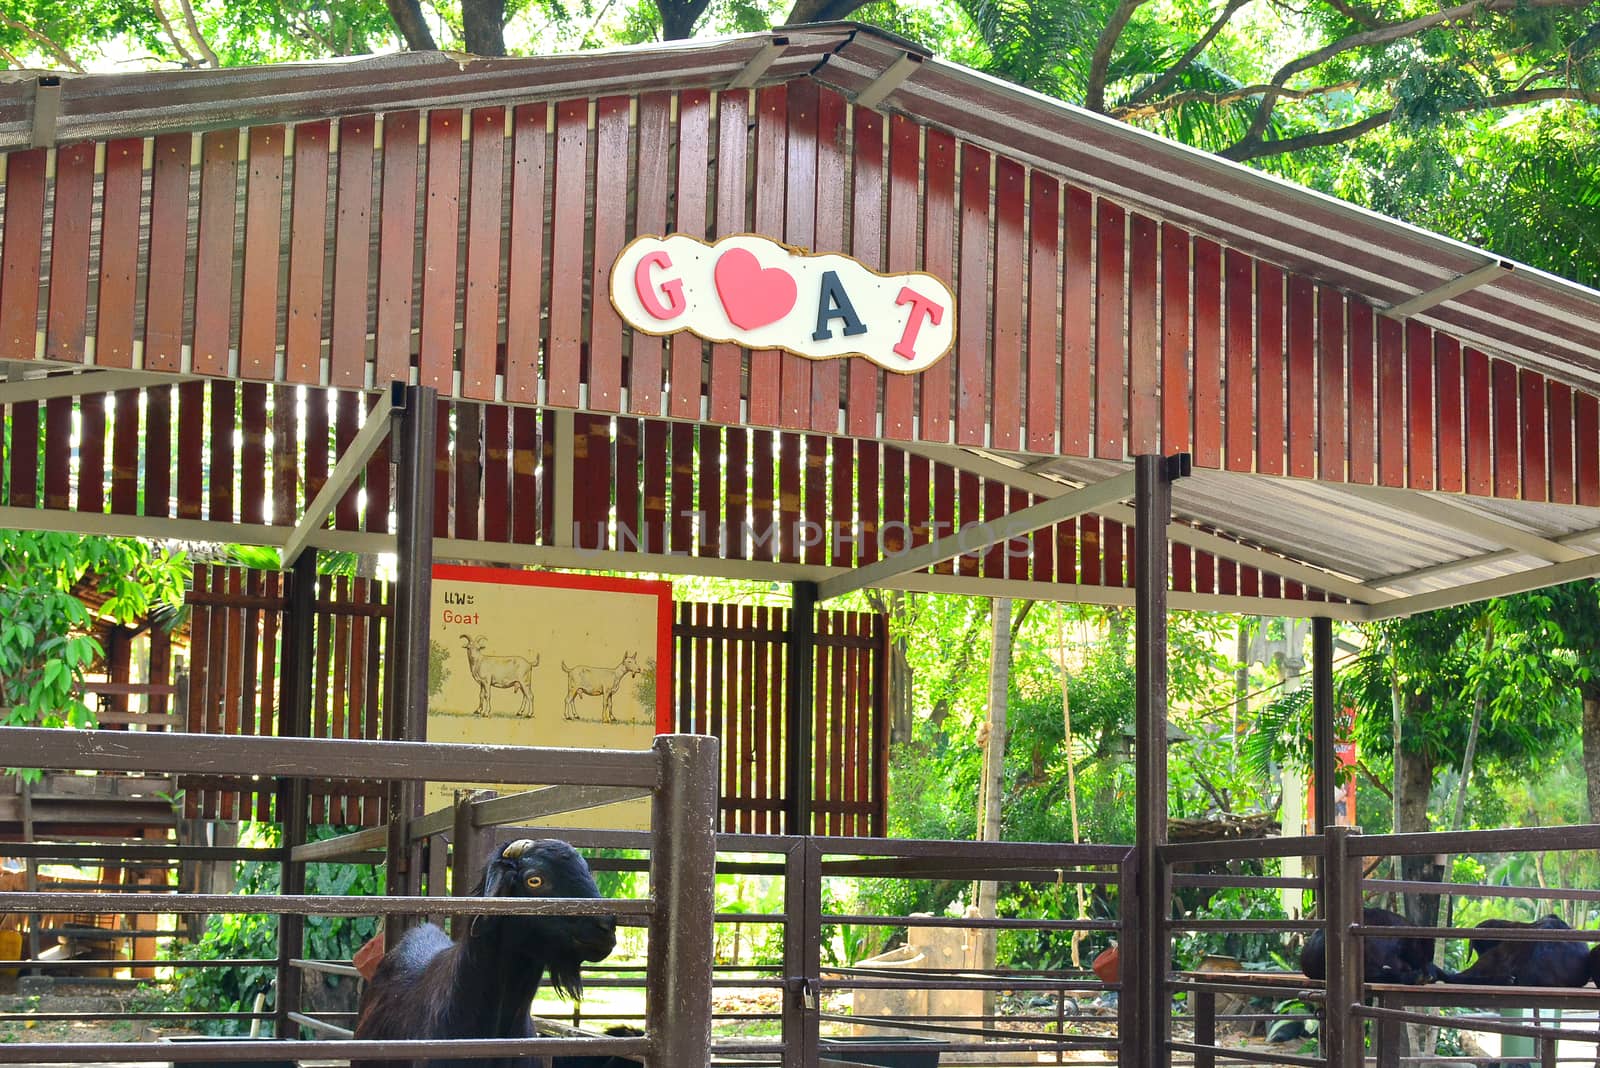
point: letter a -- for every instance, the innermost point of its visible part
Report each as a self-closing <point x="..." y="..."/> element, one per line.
<point x="834" y="303"/>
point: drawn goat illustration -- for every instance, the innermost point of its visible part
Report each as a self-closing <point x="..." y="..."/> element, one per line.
<point x="598" y="682"/>
<point x="499" y="672"/>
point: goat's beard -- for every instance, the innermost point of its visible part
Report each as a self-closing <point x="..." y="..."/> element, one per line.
<point x="566" y="976"/>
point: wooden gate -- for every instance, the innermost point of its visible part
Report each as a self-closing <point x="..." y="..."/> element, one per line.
<point x="732" y="667"/>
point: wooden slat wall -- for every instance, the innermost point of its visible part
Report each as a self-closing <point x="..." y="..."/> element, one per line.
<point x="730" y="681"/>
<point x="708" y="491"/>
<point x="1071" y="342"/>
<point x="236" y="674"/>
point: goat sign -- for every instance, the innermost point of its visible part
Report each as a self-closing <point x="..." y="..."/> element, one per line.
<point x="753" y="291"/>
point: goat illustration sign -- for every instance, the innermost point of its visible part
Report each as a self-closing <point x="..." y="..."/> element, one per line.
<point x="539" y="658"/>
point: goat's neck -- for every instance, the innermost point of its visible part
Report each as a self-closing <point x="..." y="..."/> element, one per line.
<point x="502" y="977"/>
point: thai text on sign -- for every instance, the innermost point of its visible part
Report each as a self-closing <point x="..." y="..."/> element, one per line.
<point x="753" y="291"/>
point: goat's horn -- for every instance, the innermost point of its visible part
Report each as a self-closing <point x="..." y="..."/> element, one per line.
<point x="514" y="850"/>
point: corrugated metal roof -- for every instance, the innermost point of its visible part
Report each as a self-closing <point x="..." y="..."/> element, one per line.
<point x="1537" y="319"/>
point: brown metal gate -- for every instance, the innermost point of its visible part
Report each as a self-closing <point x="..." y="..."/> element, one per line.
<point x="730" y="680"/>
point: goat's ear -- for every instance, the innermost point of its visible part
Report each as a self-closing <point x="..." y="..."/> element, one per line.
<point x="499" y="879"/>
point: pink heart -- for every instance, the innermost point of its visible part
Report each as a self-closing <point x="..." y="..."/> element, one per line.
<point x="752" y="295"/>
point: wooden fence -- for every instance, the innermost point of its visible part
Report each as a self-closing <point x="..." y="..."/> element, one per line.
<point x="730" y="681"/>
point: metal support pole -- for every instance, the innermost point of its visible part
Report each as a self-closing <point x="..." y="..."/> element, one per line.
<point x="1324" y="761"/>
<point x="1342" y="1040"/>
<point x="1128" y="1014"/>
<point x="798" y="687"/>
<point x="683" y="858"/>
<point x="295" y="721"/>
<point x="407" y="653"/>
<point x="1152" y="1031"/>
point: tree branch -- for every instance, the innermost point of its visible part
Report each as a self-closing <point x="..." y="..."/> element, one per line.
<point x="813" y="11"/>
<point x="1174" y="72"/>
<point x="194" y="33"/>
<point x="483" y="26"/>
<point x="1382" y="34"/>
<point x="60" y="54"/>
<point x="1094" y="94"/>
<point x="1243" y="93"/>
<point x="407" y="16"/>
<point x="184" y="54"/>
<point x="1247" y="150"/>
<point x="679" y="16"/>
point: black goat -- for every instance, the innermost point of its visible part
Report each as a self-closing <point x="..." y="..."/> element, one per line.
<point x="482" y="986"/>
<point x="1385" y="960"/>
<point x="1507" y="963"/>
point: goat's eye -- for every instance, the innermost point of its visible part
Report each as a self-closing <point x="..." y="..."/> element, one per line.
<point x="533" y="882"/>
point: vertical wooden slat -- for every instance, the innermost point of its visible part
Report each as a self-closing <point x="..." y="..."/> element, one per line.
<point x="592" y="478"/>
<point x="263" y="222"/>
<point x="790" y="474"/>
<point x="1110" y="324"/>
<point x="481" y="319"/>
<point x="1587" y="446"/>
<point x="121" y="208"/>
<point x="867" y="233"/>
<point x="611" y="182"/>
<point x="92" y="453"/>
<point x="157" y="451"/>
<point x="308" y="249"/>
<point x="1447" y="376"/>
<point x="191" y="445"/>
<point x="1392" y="403"/>
<point x="892" y="535"/>
<point x="694" y="153"/>
<point x="397" y="237"/>
<point x="1144" y="358"/>
<point x="828" y="236"/>
<point x="1240" y="362"/>
<point x="1479" y="447"/>
<point x="441" y="225"/>
<point x="650" y="217"/>
<point x="169" y="238"/>
<point x="1207" y="354"/>
<point x="67" y="318"/>
<point x="737" y="442"/>
<point x="1559" y="402"/>
<point x="843" y="532"/>
<point x="814" y="539"/>
<point x="654" y="537"/>
<point x="57" y="451"/>
<point x="124" y="452"/>
<point x="1419" y="395"/>
<point x="1270" y="371"/>
<point x="525" y="459"/>
<point x="315" y="441"/>
<point x="869" y="495"/>
<point x="681" y="519"/>
<point x="20" y="253"/>
<point x="1044" y="271"/>
<point x="1503" y="379"/>
<point x="973" y="321"/>
<point x="628" y="483"/>
<point x="525" y="262"/>
<point x="1089" y="567"/>
<point x="771" y="124"/>
<point x="497" y="473"/>
<point x="764" y="726"/>
<point x="709" y="483"/>
<point x="1301" y="324"/>
<point x="938" y="257"/>
<point x="751" y="727"/>
<point x="347" y="422"/>
<point x="1363" y="397"/>
<point x="233" y="683"/>
<point x="904" y="160"/>
<point x="1330" y="385"/>
<point x="1535" y="484"/>
<point x="799" y="229"/>
<point x="213" y="287"/>
<point x="352" y="251"/>
<point x="221" y="469"/>
<point x="253" y="452"/>
<point x="1175" y="379"/>
<point x="566" y="255"/>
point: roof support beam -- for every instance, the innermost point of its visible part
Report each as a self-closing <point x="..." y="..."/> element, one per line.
<point x="980" y="535"/>
<point x="758" y="64"/>
<point x="20" y="391"/>
<point x="1180" y="533"/>
<point x="1446" y="512"/>
<point x="889" y="80"/>
<point x="344" y="474"/>
<point x="1449" y="290"/>
<point x="1533" y="579"/>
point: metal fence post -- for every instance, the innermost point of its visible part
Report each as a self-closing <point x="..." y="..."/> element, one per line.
<point x="1341" y="899"/>
<point x="802" y="950"/>
<point x="1128" y="1006"/>
<point x="683" y="860"/>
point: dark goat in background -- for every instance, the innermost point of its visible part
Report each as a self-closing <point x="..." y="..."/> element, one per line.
<point x="1506" y="963"/>
<point x="483" y="985"/>
<point x="1385" y="960"/>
